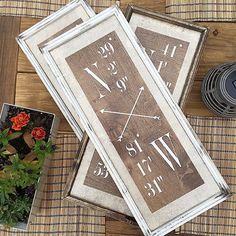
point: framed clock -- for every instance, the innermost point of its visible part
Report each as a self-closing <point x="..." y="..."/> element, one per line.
<point x="54" y="25"/>
<point x="154" y="157"/>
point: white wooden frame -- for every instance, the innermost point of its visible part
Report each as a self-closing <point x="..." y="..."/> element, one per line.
<point x="102" y="143"/>
<point x="31" y="38"/>
<point x="169" y="26"/>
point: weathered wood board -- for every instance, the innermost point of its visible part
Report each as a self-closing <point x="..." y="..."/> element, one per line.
<point x="30" y="41"/>
<point x="10" y="28"/>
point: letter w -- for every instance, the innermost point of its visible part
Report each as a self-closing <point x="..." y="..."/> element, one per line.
<point x="165" y="145"/>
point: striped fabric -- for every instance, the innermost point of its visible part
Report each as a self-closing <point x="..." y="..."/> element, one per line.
<point x="59" y="217"/>
<point x="202" y="10"/>
<point x="43" y="8"/>
<point x="219" y="137"/>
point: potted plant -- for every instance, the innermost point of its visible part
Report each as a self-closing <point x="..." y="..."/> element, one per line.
<point x="25" y="143"/>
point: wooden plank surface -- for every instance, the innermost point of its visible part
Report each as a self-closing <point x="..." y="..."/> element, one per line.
<point x="10" y="28"/>
<point x="155" y="5"/>
<point x="115" y="228"/>
<point x="220" y="36"/>
<point x="23" y="63"/>
<point x="220" y="48"/>
<point x="31" y="92"/>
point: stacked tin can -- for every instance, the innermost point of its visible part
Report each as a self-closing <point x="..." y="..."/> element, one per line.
<point x="219" y="90"/>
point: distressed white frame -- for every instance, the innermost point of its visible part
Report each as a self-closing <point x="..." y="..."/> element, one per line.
<point x="40" y="69"/>
<point x="223" y="192"/>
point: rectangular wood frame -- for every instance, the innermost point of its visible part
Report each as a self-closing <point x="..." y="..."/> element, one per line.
<point x="72" y="184"/>
<point x="52" y="26"/>
<point x="72" y="191"/>
<point x="31" y="49"/>
<point x="204" y="187"/>
<point x="162" y="27"/>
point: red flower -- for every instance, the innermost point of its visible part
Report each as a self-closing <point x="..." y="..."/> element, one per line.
<point x="38" y="133"/>
<point x="20" y="120"/>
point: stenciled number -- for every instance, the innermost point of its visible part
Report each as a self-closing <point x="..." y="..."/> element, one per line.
<point x="112" y="67"/>
<point x="134" y="148"/>
<point x="153" y="188"/>
<point x="101" y="170"/>
<point x="145" y="162"/>
<point x="106" y="50"/>
<point x="168" y="84"/>
<point x="121" y="84"/>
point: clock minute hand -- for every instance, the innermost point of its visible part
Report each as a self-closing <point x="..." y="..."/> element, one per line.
<point x="136" y="101"/>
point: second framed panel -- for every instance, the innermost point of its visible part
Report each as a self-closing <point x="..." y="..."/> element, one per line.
<point x="173" y="45"/>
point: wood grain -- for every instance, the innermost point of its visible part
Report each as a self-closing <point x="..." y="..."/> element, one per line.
<point x="115" y="228"/>
<point x="155" y="5"/>
<point x="220" y="47"/>
<point x="195" y="105"/>
<point x="32" y="93"/>
<point x="155" y="45"/>
<point x="10" y="28"/>
<point x="101" y="179"/>
<point x="172" y="187"/>
<point x="24" y="66"/>
<point x="27" y="22"/>
<point x="221" y="36"/>
<point x="23" y="63"/>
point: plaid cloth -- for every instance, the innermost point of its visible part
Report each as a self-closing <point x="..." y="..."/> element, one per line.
<point x="60" y="217"/>
<point x="202" y="10"/>
<point x="57" y="217"/>
<point x="219" y="137"/>
<point x="43" y="8"/>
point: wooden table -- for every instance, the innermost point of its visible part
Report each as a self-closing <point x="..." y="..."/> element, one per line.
<point x="20" y="84"/>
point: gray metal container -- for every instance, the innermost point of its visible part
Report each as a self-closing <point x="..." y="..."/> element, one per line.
<point x="219" y="90"/>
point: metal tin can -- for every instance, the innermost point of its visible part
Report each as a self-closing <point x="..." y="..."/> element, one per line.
<point x="219" y="90"/>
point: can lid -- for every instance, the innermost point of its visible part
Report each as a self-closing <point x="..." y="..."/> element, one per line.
<point x="228" y="85"/>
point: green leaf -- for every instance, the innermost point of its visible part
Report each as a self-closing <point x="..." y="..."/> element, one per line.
<point x="6" y="188"/>
<point x="4" y="141"/>
<point x="15" y="210"/>
<point x="43" y="149"/>
<point x="14" y="135"/>
<point x="4" y="133"/>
